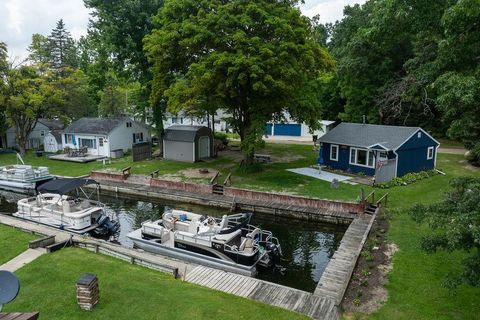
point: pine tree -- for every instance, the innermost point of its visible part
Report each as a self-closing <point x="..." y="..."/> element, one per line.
<point x="63" y="50"/>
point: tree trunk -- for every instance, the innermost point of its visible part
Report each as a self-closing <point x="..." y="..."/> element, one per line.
<point x="213" y="123"/>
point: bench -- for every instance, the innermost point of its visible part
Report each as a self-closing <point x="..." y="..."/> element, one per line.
<point x="262" y="158"/>
<point x="126" y="172"/>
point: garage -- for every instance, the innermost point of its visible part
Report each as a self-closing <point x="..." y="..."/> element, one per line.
<point x="188" y="143"/>
<point x="287" y="129"/>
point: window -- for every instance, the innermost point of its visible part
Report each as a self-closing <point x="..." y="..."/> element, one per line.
<point x="138" y="137"/>
<point x="430" y="153"/>
<point x="174" y="120"/>
<point x="100" y="142"/>
<point x="181" y="120"/>
<point x="68" y="138"/>
<point x="419" y="134"/>
<point x="382" y="155"/>
<point x="129" y="124"/>
<point x="361" y="157"/>
<point x="334" y="152"/>
<point x="89" y="143"/>
<point x="42" y="133"/>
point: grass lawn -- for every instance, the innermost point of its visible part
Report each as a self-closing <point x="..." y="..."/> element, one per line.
<point x="126" y="292"/>
<point x="446" y="143"/>
<point x="12" y="242"/>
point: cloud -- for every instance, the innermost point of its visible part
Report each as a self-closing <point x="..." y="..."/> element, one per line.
<point x="329" y="10"/>
<point x="22" y="18"/>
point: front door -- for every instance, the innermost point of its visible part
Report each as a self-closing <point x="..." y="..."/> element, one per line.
<point x="101" y="147"/>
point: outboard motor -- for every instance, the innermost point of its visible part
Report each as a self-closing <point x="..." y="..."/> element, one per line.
<point x="107" y="226"/>
<point x="275" y="252"/>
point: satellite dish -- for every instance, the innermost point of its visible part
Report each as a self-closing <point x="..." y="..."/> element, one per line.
<point x="9" y="287"/>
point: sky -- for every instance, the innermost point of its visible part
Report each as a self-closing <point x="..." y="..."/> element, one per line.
<point x="22" y="18"/>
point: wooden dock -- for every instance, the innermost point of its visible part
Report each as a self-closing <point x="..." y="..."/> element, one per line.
<point x="337" y="274"/>
<point x="303" y="302"/>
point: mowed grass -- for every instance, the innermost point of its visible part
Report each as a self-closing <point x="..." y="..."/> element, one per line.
<point x="13" y="242"/>
<point x="126" y="292"/>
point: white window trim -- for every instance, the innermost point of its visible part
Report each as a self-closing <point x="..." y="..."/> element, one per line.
<point x="356" y="158"/>
<point x="331" y="147"/>
<point x="382" y="158"/>
<point x="428" y="153"/>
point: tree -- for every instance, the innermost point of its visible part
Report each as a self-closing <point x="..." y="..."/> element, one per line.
<point x="458" y="85"/>
<point x="27" y="92"/>
<point x="257" y="59"/>
<point x="63" y="50"/>
<point x="455" y="221"/>
<point x="112" y="103"/>
<point x="3" y="72"/>
<point x="40" y="50"/>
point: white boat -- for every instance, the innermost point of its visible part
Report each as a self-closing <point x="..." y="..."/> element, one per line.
<point x="230" y="243"/>
<point x="21" y="177"/>
<point x="54" y="206"/>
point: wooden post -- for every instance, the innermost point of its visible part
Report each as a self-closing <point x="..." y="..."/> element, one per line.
<point x="87" y="291"/>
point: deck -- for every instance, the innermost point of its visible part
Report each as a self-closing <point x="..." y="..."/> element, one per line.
<point x="84" y="159"/>
<point x="266" y="292"/>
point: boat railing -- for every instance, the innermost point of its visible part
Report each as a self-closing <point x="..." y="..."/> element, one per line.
<point x="181" y="235"/>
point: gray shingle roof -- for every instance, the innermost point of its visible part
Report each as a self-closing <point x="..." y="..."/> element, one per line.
<point x="95" y="125"/>
<point x="57" y="135"/>
<point x="184" y="133"/>
<point x="52" y="124"/>
<point x="367" y="135"/>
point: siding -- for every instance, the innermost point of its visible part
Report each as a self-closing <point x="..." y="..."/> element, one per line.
<point x="343" y="160"/>
<point x="122" y="136"/>
<point x="412" y="155"/>
<point x="178" y="150"/>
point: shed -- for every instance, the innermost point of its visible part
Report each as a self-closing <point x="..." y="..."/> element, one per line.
<point x="53" y="141"/>
<point x="188" y="143"/>
<point x="381" y="151"/>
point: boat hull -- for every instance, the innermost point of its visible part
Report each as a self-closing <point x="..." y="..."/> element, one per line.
<point x="194" y="255"/>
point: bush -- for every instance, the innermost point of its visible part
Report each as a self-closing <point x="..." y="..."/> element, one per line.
<point x="222" y="137"/>
<point x="407" y="179"/>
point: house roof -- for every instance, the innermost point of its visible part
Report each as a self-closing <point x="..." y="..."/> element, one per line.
<point x="52" y="124"/>
<point x="368" y="135"/>
<point x="57" y="135"/>
<point x="184" y="133"/>
<point x="95" y="125"/>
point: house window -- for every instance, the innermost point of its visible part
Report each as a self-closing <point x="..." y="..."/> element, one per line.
<point x="68" y="138"/>
<point x="382" y="155"/>
<point x="361" y="157"/>
<point x="419" y="134"/>
<point x="430" y="153"/>
<point x="181" y="120"/>
<point x="42" y="133"/>
<point x="100" y="142"/>
<point x="334" y="152"/>
<point x="138" y="137"/>
<point x="89" y="143"/>
<point x="174" y="120"/>
<point x="129" y="124"/>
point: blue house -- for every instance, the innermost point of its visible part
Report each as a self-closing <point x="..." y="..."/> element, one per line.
<point x="383" y="152"/>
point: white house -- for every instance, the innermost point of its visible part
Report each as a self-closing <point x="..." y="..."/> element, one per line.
<point x="104" y="135"/>
<point x="36" y="137"/>
<point x="292" y="129"/>
<point x="182" y="119"/>
<point x="53" y="141"/>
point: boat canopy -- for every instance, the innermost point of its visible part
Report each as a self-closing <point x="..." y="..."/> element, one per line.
<point x="64" y="185"/>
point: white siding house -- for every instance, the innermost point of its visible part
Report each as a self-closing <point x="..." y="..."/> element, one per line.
<point x="53" y="141"/>
<point x="103" y="135"/>
<point x="37" y="136"/>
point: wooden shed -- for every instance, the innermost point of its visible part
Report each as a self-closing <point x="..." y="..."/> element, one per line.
<point x="188" y="143"/>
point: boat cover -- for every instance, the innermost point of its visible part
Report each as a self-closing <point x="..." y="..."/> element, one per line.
<point x="64" y="185"/>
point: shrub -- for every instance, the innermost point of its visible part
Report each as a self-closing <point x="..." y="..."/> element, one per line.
<point x="407" y="179"/>
<point x="222" y="137"/>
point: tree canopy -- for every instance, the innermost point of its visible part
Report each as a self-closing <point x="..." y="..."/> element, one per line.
<point x="456" y="224"/>
<point x="254" y="59"/>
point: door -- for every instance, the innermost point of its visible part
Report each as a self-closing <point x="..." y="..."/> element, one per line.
<point x="101" y="147"/>
<point x="204" y="147"/>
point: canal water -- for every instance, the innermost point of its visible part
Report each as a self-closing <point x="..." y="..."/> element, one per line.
<point x="307" y="246"/>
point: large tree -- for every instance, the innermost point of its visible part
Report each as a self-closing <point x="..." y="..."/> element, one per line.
<point x="256" y="59"/>
<point x="62" y="49"/>
<point x="3" y="73"/>
<point x="456" y="224"/>
<point x="25" y="97"/>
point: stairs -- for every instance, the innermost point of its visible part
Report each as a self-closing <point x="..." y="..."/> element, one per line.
<point x="370" y="209"/>
<point x="218" y="189"/>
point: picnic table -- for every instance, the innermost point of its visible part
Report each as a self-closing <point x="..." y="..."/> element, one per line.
<point x="76" y="152"/>
<point x="261" y="158"/>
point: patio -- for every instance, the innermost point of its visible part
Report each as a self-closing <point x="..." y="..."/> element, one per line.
<point x="322" y="175"/>
<point x="80" y="159"/>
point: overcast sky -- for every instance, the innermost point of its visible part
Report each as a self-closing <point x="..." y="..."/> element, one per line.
<point x="22" y="18"/>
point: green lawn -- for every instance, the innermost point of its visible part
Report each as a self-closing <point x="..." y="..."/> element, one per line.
<point x="12" y="242"/>
<point x="126" y="292"/>
<point x="446" y="143"/>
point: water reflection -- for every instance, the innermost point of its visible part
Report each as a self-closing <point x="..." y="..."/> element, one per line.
<point x="307" y="246"/>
